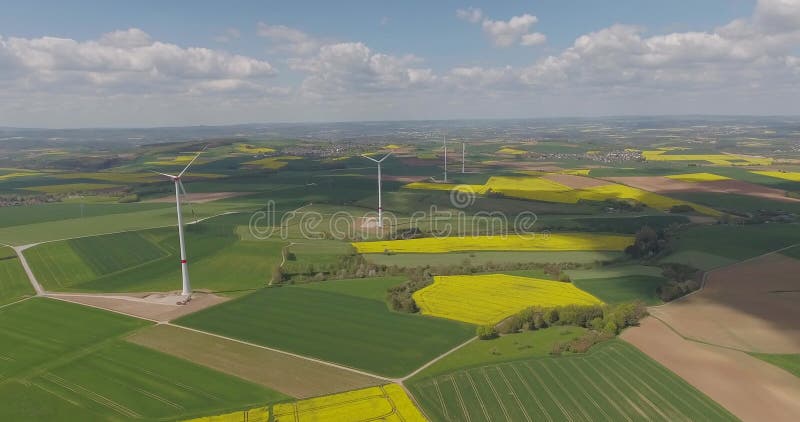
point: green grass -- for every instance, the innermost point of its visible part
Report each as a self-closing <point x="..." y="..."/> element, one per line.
<point x="367" y="288"/>
<point x="697" y="259"/>
<point x="124" y="381"/>
<point x="149" y="260"/>
<point x="66" y="362"/>
<point x="510" y="347"/>
<point x="612" y="382"/>
<point x="14" y="284"/>
<point x="346" y="329"/>
<point x="737" y="203"/>
<point x="18" y="216"/>
<point x="39" y="331"/>
<point x="58" y="228"/>
<point x="623" y="289"/>
<point x="790" y="363"/>
<point x="478" y="258"/>
<point x="793" y="252"/>
<point x="737" y="242"/>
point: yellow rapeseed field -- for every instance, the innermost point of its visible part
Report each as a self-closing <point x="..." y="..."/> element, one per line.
<point x="697" y="177"/>
<point x="511" y="151"/>
<point x="446" y="186"/>
<point x="387" y="403"/>
<point x="718" y="159"/>
<point x="552" y="242"/>
<point x="182" y="159"/>
<point x="272" y="163"/>
<point x="259" y="414"/>
<point x="785" y="175"/>
<point x="541" y="189"/>
<point x="490" y="298"/>
<point x="17" y="174"/>
<point x="251" y="149"/>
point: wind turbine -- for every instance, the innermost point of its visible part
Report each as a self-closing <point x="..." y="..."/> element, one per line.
<point x="444" y="141"/>
<point x="186" y="290"/>
<point x="463" y="156"/>
<point x="380" y="203"/>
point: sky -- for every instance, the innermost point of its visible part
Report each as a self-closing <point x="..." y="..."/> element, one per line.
<point x="156" y="63"/>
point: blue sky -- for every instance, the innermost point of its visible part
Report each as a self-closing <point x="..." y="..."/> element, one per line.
<point x="366" y="60"/>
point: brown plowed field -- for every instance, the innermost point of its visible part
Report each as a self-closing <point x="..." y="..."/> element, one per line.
<point x="751" y="306"/>
<point x="291" y="375"/>
<point x="749" y="388"/>
<point x="665" y="185"/>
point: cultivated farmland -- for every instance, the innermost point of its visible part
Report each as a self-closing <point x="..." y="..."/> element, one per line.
<point x="349" y="330"/>
<point x="490" y="298"/>
<point x="14" y="284"/>
<point x="386" y="403"/>
<point x="291" y="375"/>
<point x="533" y="242"/>
<point x="64" y="362"/>
<point x="614" y="382"/>
<point x="146" y="261"/>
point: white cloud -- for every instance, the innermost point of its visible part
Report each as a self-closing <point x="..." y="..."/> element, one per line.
<point x="120" y="61"/>
<point x="470" y="14"/>
<point x="352" y="67"/>
<point x="508" y="33"/>
<point x="516" y="30"/>
<point x="289" y="39"/>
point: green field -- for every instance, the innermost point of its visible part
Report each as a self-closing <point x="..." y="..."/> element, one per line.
<point x="612" y="382"/>
<point x="51" y="227"/>
<point x="369" y="288"/>
<point x="737" y="203"/>
<point x="480" y="258"/>
<point x="343" y="328"/>
<point x="24" y="215"/>
<point x="148" y="260"/>
<point x="506" y="348"/>
<point x="737" y="242"/>
<point x="62" y="361"/>
<point x="790" y="363"/>
<point x="14" y="284"/>
<point x="623" y="288"/>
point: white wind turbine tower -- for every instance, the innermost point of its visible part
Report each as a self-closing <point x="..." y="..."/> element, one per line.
<point x="186" y="290"/>
<point x="444" y="141"/>
<point x="380" y="203"/>
<point x="463" y="156"/>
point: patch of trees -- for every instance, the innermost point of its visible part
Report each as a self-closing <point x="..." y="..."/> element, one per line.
<point x="602" y="321"/>
<point x="682" y="208"/>
<point x="648" y="243"/>
<point x="683" y="279"/>
<point x="610" y="318"/>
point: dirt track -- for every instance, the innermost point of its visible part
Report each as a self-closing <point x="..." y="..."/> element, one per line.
<point x="749" y="388"/>
<point x="751" y="306"/>
<point x="665" y="185"/>
<point x="152" y="306"/>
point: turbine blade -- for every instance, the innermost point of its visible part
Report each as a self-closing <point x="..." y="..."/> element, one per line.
<point x="384" y="157"/>
<point x="163" y="174"/>
<point x="369" y="158"/>
<point x="193" y="159"/>
<point x="183" y="189"/>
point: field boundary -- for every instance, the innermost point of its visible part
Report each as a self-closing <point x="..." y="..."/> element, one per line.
<point x="321" y="361"/>
<point x="707" y="273"/>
